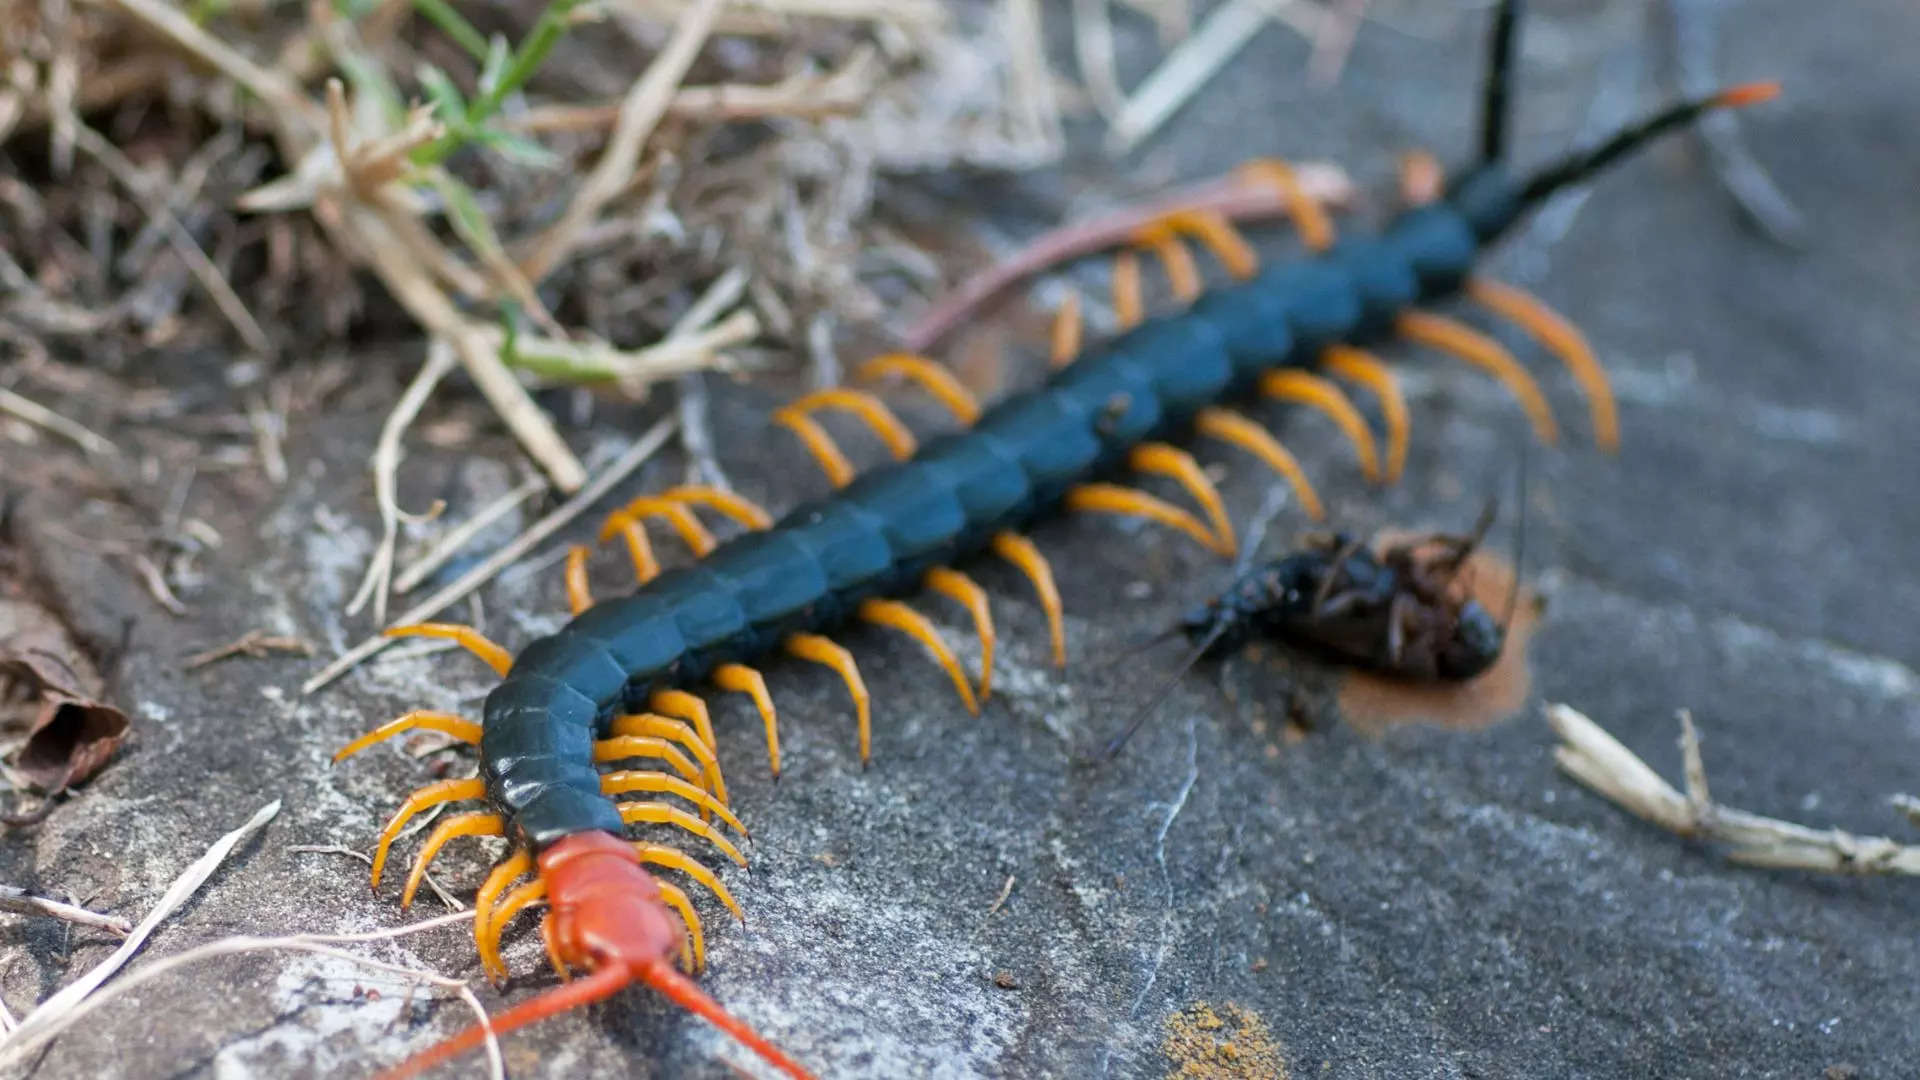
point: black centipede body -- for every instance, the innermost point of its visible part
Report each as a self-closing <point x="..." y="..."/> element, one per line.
<point x="879" y="535"/>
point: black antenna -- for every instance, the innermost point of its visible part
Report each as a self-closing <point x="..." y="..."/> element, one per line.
<point x="1578" y="166"/>
<point x="1493" y="102"/>
<point x="1519" y="544"/>
<point x="1140" y="715"/>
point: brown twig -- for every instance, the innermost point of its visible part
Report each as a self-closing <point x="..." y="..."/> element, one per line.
<point x="640" y="451"/>
<point x="257" y="644"/>
<point x="644" y="105"/>
<point x="1196" y="59"/>
<point x="25" y="903"/>
<point x="1599" y="761"/>
<point x="40" y="416"/>
<point x="457" y="537"/>
<point x="386" y="465"/>
<point x="208" y="275"/>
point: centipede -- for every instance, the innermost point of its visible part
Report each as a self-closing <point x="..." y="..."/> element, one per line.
<point x="623" y="681"/>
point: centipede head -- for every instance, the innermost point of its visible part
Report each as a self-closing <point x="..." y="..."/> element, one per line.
<point x="605" y="916"/>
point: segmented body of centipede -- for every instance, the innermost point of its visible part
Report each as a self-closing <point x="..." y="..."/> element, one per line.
<point x="611" y="684"/>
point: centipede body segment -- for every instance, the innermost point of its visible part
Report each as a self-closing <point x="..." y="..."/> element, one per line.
<point x="617" y="686"/>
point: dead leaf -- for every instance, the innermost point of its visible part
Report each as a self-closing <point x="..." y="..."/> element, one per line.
<point x="48" y="679"/>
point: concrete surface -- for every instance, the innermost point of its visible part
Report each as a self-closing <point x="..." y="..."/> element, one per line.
<point x="1427" y="903"/>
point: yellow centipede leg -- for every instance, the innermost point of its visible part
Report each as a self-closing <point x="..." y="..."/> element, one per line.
<point x="678" y="733"/>
<point x="487" y="939"/>
<point x="742" y="679"/>
<point x="675" y="859"/>
<point x="639" y="548"/>
<point x="688" y="707"/>
<point x="1309" y="217"/>
<point x="936" y="380"/>
<point x="1422" y="179"/>
<point x="1114" y="499"/>
<point x="1231" y="427"/>
<point x="1128" y="307"/>
<point x="579" y="594"/>
<point x="472" y="824"/>
<point x="693" y="960"/>
<point x="964" y="591"/>
<point x="469" y="639"/>
<point x="518" y="898"/>
<point x="731" y="503"/>
<point x="657" y="813"/>
<point x="1363" y="367"/>
<point x="1564" y="340"/>
<point x="1020" y="551"/>
<point x="900" y="441"/>
<point x="626" y="781"/>
<point x="822" y="650"/>
<point x="677" y="514"/>
<point x="446" y="723"/>
<point x="1291" y="384"/>
<point x="621" y="747"/>
<point x="1219" y="236"/>
<point x="444" y="791"/>
<point x="818" y="443"/>
<point x="1174" y="259"/>
<point x="1463" y="341"/>
<point x="899" y="616"/>
<point x="1177" y="464"/>
<point x="1064" y="342"/>
<point x="553" y="949"/>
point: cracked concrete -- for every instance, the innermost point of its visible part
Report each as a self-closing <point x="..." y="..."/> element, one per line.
<point x="1426" y="903"/>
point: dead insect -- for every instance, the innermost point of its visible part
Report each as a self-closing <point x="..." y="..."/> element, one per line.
<point x="1401" y="613"/>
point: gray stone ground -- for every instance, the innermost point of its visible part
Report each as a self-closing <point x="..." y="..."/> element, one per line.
<point x="1427" y="903"/>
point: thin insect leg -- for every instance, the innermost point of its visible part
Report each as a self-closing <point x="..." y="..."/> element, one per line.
<point x="900" y="441"/>
<point x="1218" y="236"/>
<point x="658" y="813"/>
<point x="626" y="781"/>
<point x="692" y="959"/>
<point x="731" y="503"/>
<point x="1309" y="217"/>
<point x="675" y="859"/>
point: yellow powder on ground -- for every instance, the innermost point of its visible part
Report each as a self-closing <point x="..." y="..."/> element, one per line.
<point x="1204" y="1045"/>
